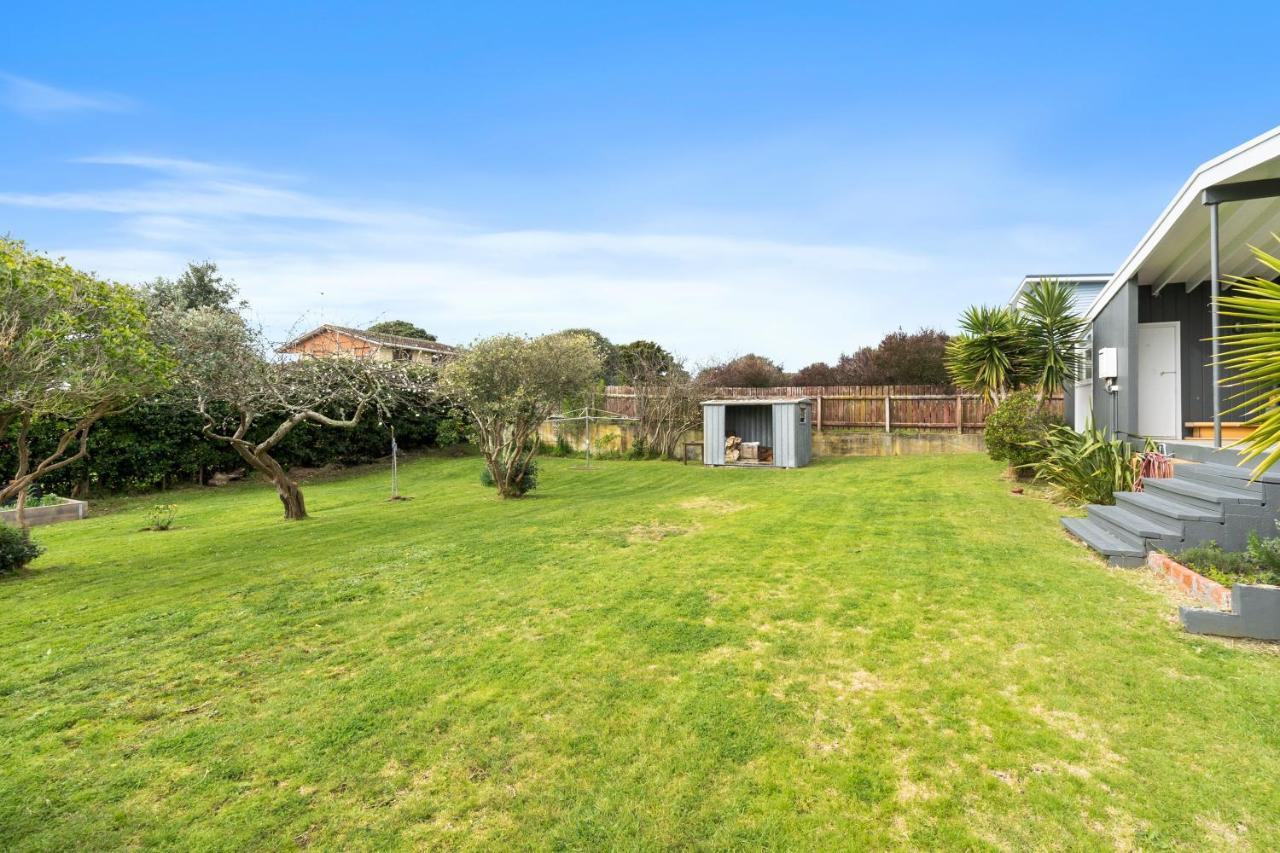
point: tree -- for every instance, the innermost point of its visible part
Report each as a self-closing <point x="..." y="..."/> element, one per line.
<point x="666" y="399"/>
<point x="223" y="374"/>
<point x="403" y="328"/>
<point x="1251" y="354"/>
<point x="509" y="385"/>
<point x="644" y="358"/>
<point x="747" y="371"/>
<point x="73" y="349"/>
<point x="610" y="364"/>
<point x="987" y="358"/>
<point x="199" y="286"/>
<point x="818" y="373"/>
<point x="1033" y="345"/>
<point x="901" y="358"/>
<point x="1053" y="330"/>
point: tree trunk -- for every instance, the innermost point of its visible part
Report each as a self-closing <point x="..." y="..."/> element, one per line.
<point x="290" y="494"/>
<point x="295" y="508"/>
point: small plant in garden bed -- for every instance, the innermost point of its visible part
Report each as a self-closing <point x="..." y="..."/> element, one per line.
<point x="33" y="501"/>
<point x="1259" y="563"/>
<point x="161" y="516"/>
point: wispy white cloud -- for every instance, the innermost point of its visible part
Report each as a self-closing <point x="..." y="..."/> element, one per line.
<point x="302" y="256"/>
<point x="38" y="100"/>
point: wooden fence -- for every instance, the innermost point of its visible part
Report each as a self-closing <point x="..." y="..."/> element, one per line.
<point x="930" y="408"/>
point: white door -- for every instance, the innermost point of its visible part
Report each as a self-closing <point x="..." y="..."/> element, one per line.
<point x="1083" y="403"/>
<point x="1158" y="383"/>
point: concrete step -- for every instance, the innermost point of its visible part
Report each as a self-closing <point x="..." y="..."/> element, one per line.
<point x="1164" y="508"/>
<point x="1105" y="540"/>
<point x="1241" y="475"/>
<point x="1141" y="526"/>
<point x="1191" y="491"/>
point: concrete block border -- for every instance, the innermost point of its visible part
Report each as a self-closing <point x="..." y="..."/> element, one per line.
<point x="69" y="510"/>
<point x="1255" y="614"/>
<point x="1192" y="583"/>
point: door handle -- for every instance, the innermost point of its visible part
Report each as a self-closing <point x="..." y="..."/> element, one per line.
<point x="1167" y="372"/>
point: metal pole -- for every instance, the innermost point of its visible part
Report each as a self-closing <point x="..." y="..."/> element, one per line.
<point x="1214" y="275"/>
<point x="395" y="470"/>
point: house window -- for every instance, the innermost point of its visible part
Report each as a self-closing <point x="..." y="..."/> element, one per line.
<point x="804" y="414"/>
<point x="401" y="355"/>
<point x="1084" y="370"/>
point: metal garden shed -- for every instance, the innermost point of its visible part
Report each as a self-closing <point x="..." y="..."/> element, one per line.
<point x="778" y="432"/>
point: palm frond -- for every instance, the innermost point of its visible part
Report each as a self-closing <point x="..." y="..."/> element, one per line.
<point x="1251" y="358"/>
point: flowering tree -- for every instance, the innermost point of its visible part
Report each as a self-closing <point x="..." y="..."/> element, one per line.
<point x="252" y="402"/>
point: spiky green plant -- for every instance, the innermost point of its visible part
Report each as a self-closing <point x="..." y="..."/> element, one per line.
<point x="1051" y="357"/>
<point x="987" y="356"/>
<point x="1087" y="466"/>
<point x="1252" y="355"/>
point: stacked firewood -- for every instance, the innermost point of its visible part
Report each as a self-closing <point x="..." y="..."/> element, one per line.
<point x="748" y="451"/>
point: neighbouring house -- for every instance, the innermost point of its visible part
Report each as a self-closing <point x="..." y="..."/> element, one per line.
<point x="1150" y="372"/>
<point x="328" y="339"/>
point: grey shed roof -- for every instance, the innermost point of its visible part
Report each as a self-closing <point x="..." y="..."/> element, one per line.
<point x="756" y="401"/>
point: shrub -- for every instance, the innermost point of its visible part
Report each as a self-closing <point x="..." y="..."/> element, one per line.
<point x="16" y="549"/>
<point x="1266" y="553"/>
<point x="161" y="516"/>
<point x="527" y="482"/>
<point x="1016" y="429"/>
<point x="1225" y="567"/>
<point x="1085" y="467"/>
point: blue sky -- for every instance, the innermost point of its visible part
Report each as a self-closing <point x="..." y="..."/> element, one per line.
<point x="791" y="179"/>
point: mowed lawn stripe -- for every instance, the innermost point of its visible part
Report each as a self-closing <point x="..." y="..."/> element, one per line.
<point x="866" y="652"/>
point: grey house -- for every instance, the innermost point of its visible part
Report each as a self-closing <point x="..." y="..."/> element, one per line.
<point x="782" y="425"/>
<point x="1150" y="373"/>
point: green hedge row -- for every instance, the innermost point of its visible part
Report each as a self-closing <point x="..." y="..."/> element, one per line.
<point x="155" y="445"/>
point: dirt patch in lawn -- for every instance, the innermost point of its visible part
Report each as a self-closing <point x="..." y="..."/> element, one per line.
<point x="656" y="531"/>
<point x="714" y="506"/>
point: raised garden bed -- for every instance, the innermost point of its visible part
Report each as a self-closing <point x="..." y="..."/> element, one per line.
<point x="1189" y="581"/>
<point x="68" y="509"/>
<point x="1246" y="610"/>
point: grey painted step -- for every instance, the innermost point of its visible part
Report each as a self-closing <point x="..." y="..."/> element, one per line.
<point x="1197" y="491"/>
<point x="1225" y="472"/>
<point x="1105" y="540"/>
<point x="1164" y="508"/>
<point x="1134" y="524"/>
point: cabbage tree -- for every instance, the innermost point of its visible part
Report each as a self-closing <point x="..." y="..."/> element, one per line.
<point x="1032" y="345"/>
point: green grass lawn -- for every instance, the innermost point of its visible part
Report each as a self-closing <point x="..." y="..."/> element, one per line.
<point x="864" y="653"/>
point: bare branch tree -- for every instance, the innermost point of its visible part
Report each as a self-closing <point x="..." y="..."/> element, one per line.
<point x="667" y="400"/>
<point x="251" y="401"/>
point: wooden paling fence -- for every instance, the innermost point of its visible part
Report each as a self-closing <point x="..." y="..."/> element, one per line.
<point x="933" y="408"/>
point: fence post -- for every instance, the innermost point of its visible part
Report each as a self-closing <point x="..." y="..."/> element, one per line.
<point x="819" y="413"/>
<point x="960" y="413"/>
<point x="888" y="408"/>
